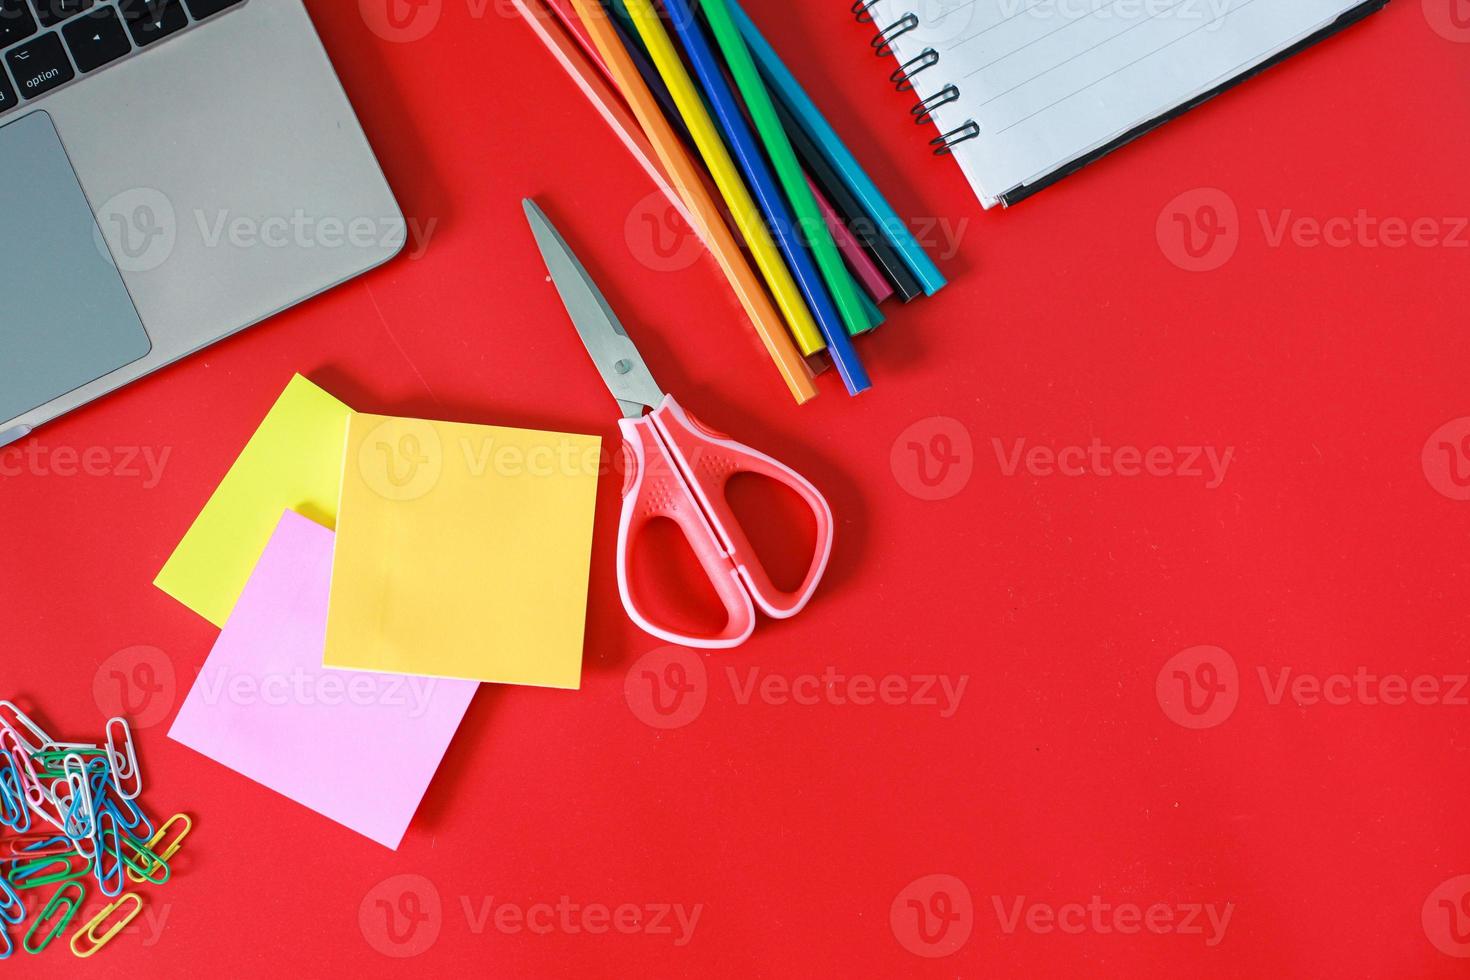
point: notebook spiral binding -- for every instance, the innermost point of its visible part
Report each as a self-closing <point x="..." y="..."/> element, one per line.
<point x="903" y="76"/>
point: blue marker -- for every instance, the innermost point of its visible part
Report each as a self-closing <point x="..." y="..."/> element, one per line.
<point x="731" y="119"/>
<point x="789" y="90"/>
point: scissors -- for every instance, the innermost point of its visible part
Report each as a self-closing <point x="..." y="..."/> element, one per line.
<point x="679" y="470"/>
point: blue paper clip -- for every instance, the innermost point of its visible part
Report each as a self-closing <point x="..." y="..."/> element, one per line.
<point x="80" y="820"/>
<point x="14" y="813"/>
<point x="26" y="777"/>
<point x="46" y="845"/>
<point x="129" y="816"/>
<point x="110" y="880"/>
<point x="12" y="909"/>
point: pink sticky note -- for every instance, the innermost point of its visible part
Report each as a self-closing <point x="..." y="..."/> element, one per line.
<point x="359" y="748"/>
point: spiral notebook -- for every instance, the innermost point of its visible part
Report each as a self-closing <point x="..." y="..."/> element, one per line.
<point x="1025" y="92"/>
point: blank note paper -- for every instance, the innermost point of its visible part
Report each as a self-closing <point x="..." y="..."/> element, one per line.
<point x="293" y="462"/>
<point x="358" y="748"/>
<point x="463" y="551"/>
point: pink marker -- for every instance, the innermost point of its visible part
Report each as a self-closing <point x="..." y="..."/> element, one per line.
<point x="858" y="261"/>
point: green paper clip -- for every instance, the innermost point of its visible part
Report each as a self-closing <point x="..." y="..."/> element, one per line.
<point x="29" y="874"/>
<point x="166" y="851"/>
<point x="145" y="866"/>
<point x="57" y="903"/>
<point x="51" y="763"/>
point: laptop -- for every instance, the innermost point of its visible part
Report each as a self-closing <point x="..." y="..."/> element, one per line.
<point x="171" y="172"/>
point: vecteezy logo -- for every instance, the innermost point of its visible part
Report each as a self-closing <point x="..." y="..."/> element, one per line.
<point x="934" y="458"/>
<point x="137" y="229"/>
<point x="402" y="916"/>
<point x="945" y="21"/>
<point x="667" y="687"/>
<point x="659" y="237"/>
<point x="407" y="450"/>
<point x="1199" y="231"/>
<point x="1449" y="18"/>
<point x="1446" y="917"/>
<point x="137" y="683"/>
<point x="401" y="21"/>
<point x="402" y="459"/>
<point x="933" y="916"/>
<point x="1446" y="459"/>
<point x="1199" y="688"/>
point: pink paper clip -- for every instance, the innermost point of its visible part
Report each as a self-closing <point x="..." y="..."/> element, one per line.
<point x="28" y="846"/>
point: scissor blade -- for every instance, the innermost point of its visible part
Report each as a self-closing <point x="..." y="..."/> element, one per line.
<point x="616" y="357"/>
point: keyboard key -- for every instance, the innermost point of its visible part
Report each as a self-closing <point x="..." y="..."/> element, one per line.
<point x="206" y="8"/>
<point x="53" y="12"/>
<point x="96" y="39"/>
<point x="8" y="98"/>
<point x="152" y="20"/>
<point x="39" y="65"/>
<point x="16" y="22"/>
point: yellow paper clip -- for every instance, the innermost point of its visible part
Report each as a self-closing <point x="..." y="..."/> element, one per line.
<point x="163" y="854"/>
<point x="88" y="932"/>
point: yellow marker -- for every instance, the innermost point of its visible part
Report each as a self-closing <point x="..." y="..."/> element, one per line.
<point x="689" y="180"/>
<point x="727" y="176"/>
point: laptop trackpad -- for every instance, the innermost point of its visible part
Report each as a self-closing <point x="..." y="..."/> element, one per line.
<point x="65" y="315"/>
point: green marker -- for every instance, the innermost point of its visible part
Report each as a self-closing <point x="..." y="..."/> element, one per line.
<point x="809" y="217"/>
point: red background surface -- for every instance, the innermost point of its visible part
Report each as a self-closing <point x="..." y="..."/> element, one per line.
<point x="1060" y="599"/>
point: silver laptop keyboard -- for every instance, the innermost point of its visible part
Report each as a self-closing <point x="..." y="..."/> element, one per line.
<point x="45" y="44"/>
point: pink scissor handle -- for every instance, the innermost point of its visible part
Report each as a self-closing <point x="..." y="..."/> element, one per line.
<point x="681" y="470"/>
<point x="709" y="460"/>
<point x="655" y="490"/>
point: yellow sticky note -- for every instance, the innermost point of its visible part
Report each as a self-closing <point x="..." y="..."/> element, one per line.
<point x="463" y="551"/>
<point x="293" y="462"/>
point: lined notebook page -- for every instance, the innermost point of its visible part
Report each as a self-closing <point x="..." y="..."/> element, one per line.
<point x="1051" y="81"/>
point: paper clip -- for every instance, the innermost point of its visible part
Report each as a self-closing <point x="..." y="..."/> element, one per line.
<point x="88" y="932"/>
<point x="165" y="854"/>
<point x="68" y="804"/>
<point x="37" y="845"/>
<point x="53" y="757"/>
<point x="35" y="874"/>
<point x="6" y="946"/>
<point x="12" y="909"/>
<point x="46" y="805"/>
<point x="20" y="759"/>
<point x="21" y="721"/>
<point x="43" y="742"/>
<point x="149" y="865"/>
<point x="15" y="813"/>
<point x="57" y="903"/>
<point x="109" y="879"/>
<point x="81" y="814"/>
<point x="124" y="764"/>
<point x="130" y="817"/>
<point x="52" y="761"/>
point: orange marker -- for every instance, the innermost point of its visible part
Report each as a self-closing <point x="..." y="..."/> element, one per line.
<point x="707" y="220"/>
<point x="587" y="74"/>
